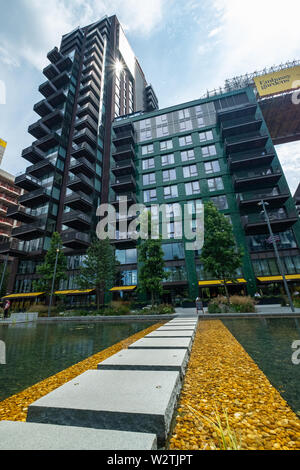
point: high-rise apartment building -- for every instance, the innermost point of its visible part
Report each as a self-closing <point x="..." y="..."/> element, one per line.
<point x="92" y="78"/>
<point x="3" y="145"/>
<point x="216" y="149"/>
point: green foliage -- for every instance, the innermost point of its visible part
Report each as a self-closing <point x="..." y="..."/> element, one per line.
<point x="99" y="269"/>
<point x="46" y="270"/>
<point x="236" y="304"/>
<point x="219" y="255"/>
<point x="151" y="273"/>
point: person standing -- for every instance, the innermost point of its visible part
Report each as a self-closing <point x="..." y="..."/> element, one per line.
<point x="6" y="308"/>
<point x="199" y="305"/>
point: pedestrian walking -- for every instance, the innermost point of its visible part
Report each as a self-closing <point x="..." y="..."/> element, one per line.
<point x="199" y="305"/>
<point x="6" y="308"/>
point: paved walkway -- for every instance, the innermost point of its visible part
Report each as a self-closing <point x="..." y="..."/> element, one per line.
<point x="261" y="310"/>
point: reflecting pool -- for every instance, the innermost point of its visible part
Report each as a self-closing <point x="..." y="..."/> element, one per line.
<point x="269" y="343"/>
<point x="35" y="351"/>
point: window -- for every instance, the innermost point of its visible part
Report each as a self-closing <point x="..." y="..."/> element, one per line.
<point x="192" y="188"/>
<point x="146" y="149"/>
<point x="185" y="125"/>
<point x="149" y="178"/>
<point x="209" y="151"/>
<point x="129" y="278"/>
<point x="166" y="145"/>
<point x="170" y="191"/>
<point x="127" y="256"/>
<point x="220" y="202"/>
<point x="162" y="125"/>
<point x="188" y="155"/>
<point x="150" y="195"/>
<point x="173" y="210"/>
<point x="186" y="140"/>
<point x="212" y="167"/>
<point x="174" y="230"/>
<point x="160" y="120"/>
<point x="190" y="171"/>
<point x="145" y="129"/>
<point x="176" y="273"/>
<point x="173" y="251"/>
<point x="204" y="136"/>
<point x="148" y="164"/>
<point x="215" y="184"/>
<point x="169" y="175"/>
<point x="194" y="207"/>
<point x="184" y="113"/>
<point x="167" y="159"/>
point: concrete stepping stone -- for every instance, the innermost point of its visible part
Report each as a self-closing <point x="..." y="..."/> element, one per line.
<point x="176" y="328"/>
<point x="171" y="334"/>
<point x="148" y="359"/>
<point x="134" y="401"/>
<point x="16" y="435"/>
<point x="162" y="343"/>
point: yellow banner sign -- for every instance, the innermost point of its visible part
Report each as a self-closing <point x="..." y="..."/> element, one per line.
<point x="3" y="143"/>
<point x="277" y="82"/>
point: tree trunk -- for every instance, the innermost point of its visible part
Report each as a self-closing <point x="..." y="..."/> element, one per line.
<point x="98" y="299"/>
<point x="226" y="291"/>
<point x="152" y="298"/>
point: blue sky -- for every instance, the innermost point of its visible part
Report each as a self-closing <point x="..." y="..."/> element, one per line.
<point x="185" y="47"/>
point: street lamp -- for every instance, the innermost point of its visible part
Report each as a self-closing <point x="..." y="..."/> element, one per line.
<point x="263" y="204"/>
<point x="53" y="281"/>
<point x="3" y="272"/>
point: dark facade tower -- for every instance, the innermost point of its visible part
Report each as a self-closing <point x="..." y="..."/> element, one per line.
<point x="92" y="78"/>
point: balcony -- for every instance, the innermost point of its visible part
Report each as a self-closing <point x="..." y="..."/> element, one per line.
<point x="257" y="179"/>
<point x="80" y="182"/>
<point x="89" y="98"/>
<point x="10" y="189"/>
<point x="40" y="169"/>
<point x="48" y="142"/>
<point x="75" y="240"/>
<point x="61" y="80"/>
<point x="240" y="126"/>
<point x="124" y="183"/>
<point x="93" y="58"/>
<point x="280" y="222"/>
<point x="21" y="214"/>
<point x="250" y="160"/>
<point x="124" y="239"/>
<point x="248" y="202"/>
<point x="244" y="143"/>
<point x="79" y="201"/>
<point x="33" y="155"/>
<point x="84" y="150"/>
<point x="243" y="111"/>
<point x="12" y="248"/>
<point x="95" y="37"/>
<point x="47" y="89"/>
<point x="34" y="198"/>
<point x="90" y="68"/>
<point x="38" y="129"/>
<point x="27" y="182"/>
<point x="85" y="136"/>
<point x="81" y="165"/>
<point x="6" y="223"/>
<point x="125" y="152"/>
<point x="123" y="137"/>
<point x="95" y="48"/>
<point x="58" y="98"/>
<point x="51" y="71"/>
<point x="54" y="55"/>
<point x="124" y="167"/>
<point x="53" y="119"/>
<point x="77" y="220"/>
<point x="43" y="108"/>
<point x="90" y="87"/>
<point x="88" y="110"/>
<point x="29" y="231"/>
<point x="131" y="199"/>
<point x="86" y="122"/>
<point x="65" y="63"/>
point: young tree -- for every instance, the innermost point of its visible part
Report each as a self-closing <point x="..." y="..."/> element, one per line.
<point x="99" y="269"/>
<point x="46" y="269"/>
<point x="220" y="255"/>
<point x="151" y="273"/>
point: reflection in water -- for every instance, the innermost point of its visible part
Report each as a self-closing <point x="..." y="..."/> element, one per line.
<point x="36" y="351"/>
<point x="269" y="343"/>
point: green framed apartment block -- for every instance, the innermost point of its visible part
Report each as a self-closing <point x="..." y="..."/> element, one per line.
<point x="215" y="149"/>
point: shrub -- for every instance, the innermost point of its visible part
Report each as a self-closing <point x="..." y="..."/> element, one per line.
<point x="238" y="304"/>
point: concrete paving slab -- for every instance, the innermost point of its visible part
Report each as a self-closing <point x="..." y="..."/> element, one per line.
<point x="134" y="401"/>
<point x="162" y="343"/>
<point x="16" y="435"/>
<point x="176" y="328"/>
<point x="148" y="359"/>
<point x="171" y="334"/>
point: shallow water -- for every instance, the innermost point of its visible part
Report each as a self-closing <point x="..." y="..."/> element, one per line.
<point x="35" y="351"/>
<point x="269" y="343"/>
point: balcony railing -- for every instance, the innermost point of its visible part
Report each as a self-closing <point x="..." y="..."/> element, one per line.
<point x="29" y="231"/>
<point x="85" y="136"/>
<point x="280" y="221"/>
<point x="81" y="165"/>
<point x="39" y="196"/>
<point x="254" y="179"/>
